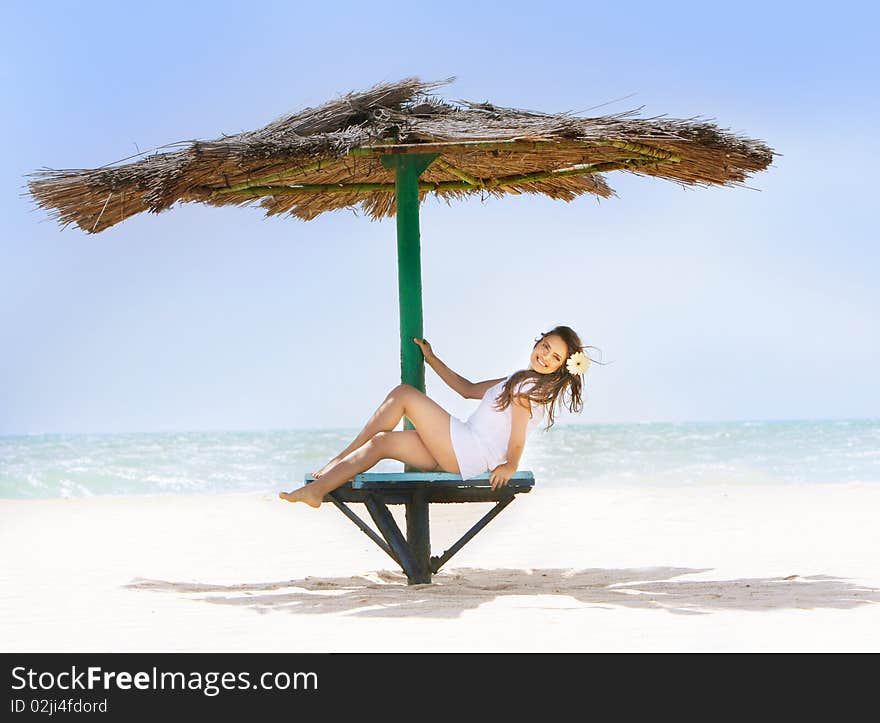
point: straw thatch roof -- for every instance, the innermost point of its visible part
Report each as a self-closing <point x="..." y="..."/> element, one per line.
<point x="329" y="157"/>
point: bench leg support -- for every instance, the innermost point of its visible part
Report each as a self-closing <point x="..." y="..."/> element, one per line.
<point x="388" y="527"/>
<point x="346" y="510"/>
<point x="438" y="562"/>
<point x="418" y="535"/>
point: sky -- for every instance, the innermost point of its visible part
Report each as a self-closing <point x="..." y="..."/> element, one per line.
<point x="755" y="303"/>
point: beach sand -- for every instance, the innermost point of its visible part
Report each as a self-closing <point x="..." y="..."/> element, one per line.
<point x="710" y="568"/>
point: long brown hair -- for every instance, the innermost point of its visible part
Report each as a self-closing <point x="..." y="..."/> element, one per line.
<point x="549" y="388"/>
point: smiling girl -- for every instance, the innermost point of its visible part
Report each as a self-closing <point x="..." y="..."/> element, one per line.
<point x="491" y="440"/>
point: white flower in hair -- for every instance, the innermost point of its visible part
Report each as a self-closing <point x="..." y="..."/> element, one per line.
<point x="578" y="363"/>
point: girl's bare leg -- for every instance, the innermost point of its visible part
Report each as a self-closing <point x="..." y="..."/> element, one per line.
<point x="354" y="463"/>
<point x="406" y="446"/>
<point x="384" y="419"/>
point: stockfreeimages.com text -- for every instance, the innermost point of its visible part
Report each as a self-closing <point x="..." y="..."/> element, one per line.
<point x="211" y="683"/>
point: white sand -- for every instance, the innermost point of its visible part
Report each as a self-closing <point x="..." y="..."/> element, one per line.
<point x="684" y="569"/>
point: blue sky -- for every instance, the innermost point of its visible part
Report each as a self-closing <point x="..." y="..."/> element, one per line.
<point x="713" y="303"/>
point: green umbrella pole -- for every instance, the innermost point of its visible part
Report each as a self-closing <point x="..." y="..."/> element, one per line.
<point x="407" y="169"/>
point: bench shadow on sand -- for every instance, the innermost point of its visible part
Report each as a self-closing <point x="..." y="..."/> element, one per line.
<point x="385" y="593"/>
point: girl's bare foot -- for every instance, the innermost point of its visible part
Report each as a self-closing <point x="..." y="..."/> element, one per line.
<point x="303" y="494"/>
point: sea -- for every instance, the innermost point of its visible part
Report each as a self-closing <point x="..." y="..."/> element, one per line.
<point x="42" y="466"/>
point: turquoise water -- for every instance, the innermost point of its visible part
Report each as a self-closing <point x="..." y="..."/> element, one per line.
<point x="72" y="465"/>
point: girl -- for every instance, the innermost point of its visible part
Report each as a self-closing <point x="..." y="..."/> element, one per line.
<point x="491" y="440"/>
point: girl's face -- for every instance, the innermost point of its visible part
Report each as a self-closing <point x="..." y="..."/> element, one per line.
<point x="549" y="354"/>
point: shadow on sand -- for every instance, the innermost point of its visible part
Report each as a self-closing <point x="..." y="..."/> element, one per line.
<point x="386" y="594"/>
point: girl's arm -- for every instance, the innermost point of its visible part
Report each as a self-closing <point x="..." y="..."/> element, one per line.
<point x="480" y="388"/>
<point x="516" y="444"/>
<point x="455" y="381"/>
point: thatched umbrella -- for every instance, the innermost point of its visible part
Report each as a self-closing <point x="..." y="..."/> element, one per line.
<point x="329" y="157"/>
<point x="384" y="150"/>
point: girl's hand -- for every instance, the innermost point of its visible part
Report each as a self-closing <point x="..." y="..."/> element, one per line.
<point x="501" y="475"/>
<point x="427" y="351"/>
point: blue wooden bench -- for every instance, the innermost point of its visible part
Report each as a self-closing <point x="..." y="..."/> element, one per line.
<point x="417" y="490"/>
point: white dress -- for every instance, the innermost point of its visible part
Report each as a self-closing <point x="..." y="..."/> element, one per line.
<point x="480" y="443"/>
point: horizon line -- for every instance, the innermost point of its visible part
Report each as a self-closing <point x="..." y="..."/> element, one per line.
<point x="560" y="425"/>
